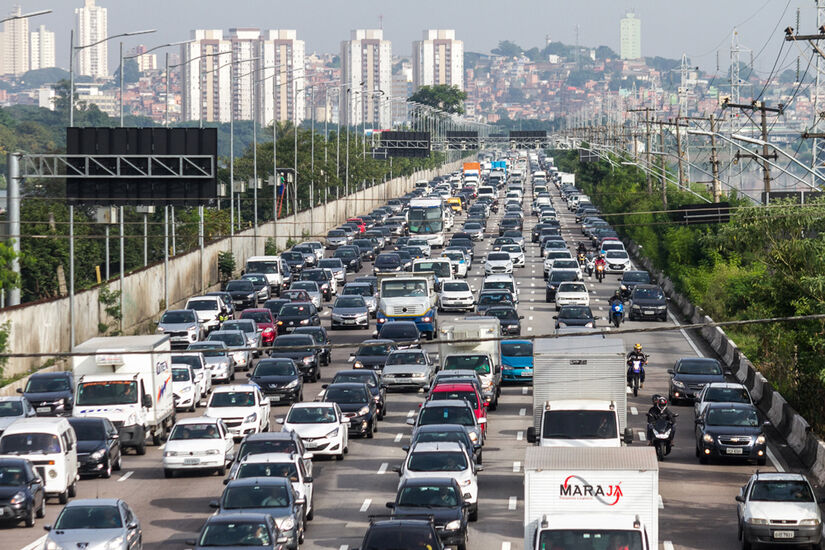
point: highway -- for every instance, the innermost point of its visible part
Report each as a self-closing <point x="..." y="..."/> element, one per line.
<point x="697" y="501"/>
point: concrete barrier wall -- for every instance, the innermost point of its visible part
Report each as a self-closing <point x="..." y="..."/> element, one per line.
<point x="43" y="327"/>
<point x="807" y="446"/>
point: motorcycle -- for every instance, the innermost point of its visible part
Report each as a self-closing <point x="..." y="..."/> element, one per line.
<point x="582" y="260"/>
<point x="662" y="432"/>
<point x="600" y="272"/>
<point x="617" y="313"/>
<point x="591" y="265"/>
<point x="634" y="374"/>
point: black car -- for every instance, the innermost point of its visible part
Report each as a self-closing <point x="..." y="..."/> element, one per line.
<point x="50" y="393"/>
<point x="366" y="248"/>
<point x="690" y="374"/>
<point x="466" y="245"/>
<point x="508" y="317"/>
<point x="632" y="278"/>
<point x="439" y="433"/>
<point x="731" y="430"/>
<point x="373" y="381"/>
<point x="237" y="530"/>
<point x="98" y="446"/>
<point x="575" y="316"/>
<point x="438" y="497"/>
<point x="493" y="298"/>
<point x="388" y="261"/>
<point x="279" y="379"/>
<point x="295" y="260"/>
<point x="357" y="404"/>
<point x="350" y="256"/>
<point x="297" y="314"/>
<point x="274" y="305"/>
<point x="509" y="223"/>
<point x="308" y="359"/>
<point x="556" y="277"/>
<point x="405" y="334"/>
<point x="401" y="533"/>
<point x="321" y="339"/>
<point x="372" y="354"/>
<point x="321" y="277"/>
<point x="648" y="302"/>
<point x="243" y="293"/>
<point x="18" y="477"/>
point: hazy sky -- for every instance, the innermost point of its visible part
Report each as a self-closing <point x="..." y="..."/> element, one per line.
<point x="669" y="27"/>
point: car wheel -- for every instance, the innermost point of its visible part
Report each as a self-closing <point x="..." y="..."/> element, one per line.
<point x="370" y="431"/>
<point x="63" y="497"/>
<point x="474" y="514"/>
<point x="192" y="408"/>
<point x="480" y="457"/>
<point x="168" y="474"/>
<point x="746" y="545"/>
<point x="311" y="514"/>
<point x="117" y="465"/>
<point x="29" y="519"/>
<point x="703" y="459"/>
<point x="107" y="472"/>
<point x="761" y="461"/>
<point x="41" y="512"/>
<point x="222" y="470"/>
<point x="73" y="489"/>
<point x="141" y="448"/>
<point x="339" y="456"/>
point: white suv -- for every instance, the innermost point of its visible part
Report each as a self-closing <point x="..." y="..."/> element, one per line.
<point x="242" y="407"/>
<point x="321" y="426"/>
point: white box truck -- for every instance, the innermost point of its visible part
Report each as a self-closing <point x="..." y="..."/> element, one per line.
<point x="579" y="392"/>
<point x="567" y="177"/>
<point x="591" y="499"/>
<point x="476" y="348"/>
<point x="127" y="379"/>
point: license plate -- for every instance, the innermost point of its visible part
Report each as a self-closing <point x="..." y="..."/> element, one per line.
<point x="525" y="373"/>
<point x="310" y="444"/>
<point x="43" y="409"/>
<point x="349" y="321"/>
<point x="650" y="312"/>
<point x="783" y="534"/>
<point x="733" y="451"/>
<point x="238" y="302"/>
<point x="274" y="397"/>
<point x="190" y="461"/>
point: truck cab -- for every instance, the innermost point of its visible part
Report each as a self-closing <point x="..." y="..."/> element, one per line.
<point x="589" y="532"/>
<point x="405" y="298"/>
<point x="579" y="423"/>
<point x="472" y="344"/>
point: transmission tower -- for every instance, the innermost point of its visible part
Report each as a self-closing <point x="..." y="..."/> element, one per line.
<point x="818" y="150"/>
<point x="683" y="91"/>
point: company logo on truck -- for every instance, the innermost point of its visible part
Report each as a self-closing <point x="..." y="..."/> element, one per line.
<point x="577" y="488"/>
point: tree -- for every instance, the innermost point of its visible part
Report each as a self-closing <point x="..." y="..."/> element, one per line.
<point x="441" y="96"/>
<point x="130" y="73"/>
<point x="507" y="49"/>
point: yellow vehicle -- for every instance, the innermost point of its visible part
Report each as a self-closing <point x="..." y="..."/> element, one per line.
<point x="455" y="204"/>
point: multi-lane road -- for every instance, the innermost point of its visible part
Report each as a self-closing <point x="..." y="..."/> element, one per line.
<point x="697" y="508"/>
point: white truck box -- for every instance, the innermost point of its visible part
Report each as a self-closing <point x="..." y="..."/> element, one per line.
<point x="479" y="336"/>
<point x="567" y="177"/>
<point x="589" y="489"/>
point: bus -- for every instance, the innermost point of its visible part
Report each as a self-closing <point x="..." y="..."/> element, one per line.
<point x="426" y="219"/>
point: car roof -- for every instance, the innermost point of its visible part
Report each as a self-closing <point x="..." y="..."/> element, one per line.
<point x="92" y="502"/>
<point x="197" y="420"/>
<point x="252" y="481"/>
<point x="425" y="481"/>
<point x="309" y="404"/>
<point x="446" y="403"/>
<point x="729" y="385"/>
<point x="239" y="518"/>
<point x="270" y="457"/>
<point x="726" y="405"/>
<point x="452" y="386"/>
<point x="7" y="398"/>
<point x="376" y="341"/>
<point x="785" y="476"/>
<point x="436" y="447"/>
<point x="270" y="436"/>
<point x="362" y="372"/>
<point x="234" y="387"/>
<point x="50" y="375"/>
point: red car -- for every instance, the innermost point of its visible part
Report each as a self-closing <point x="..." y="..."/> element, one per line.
<point x="452" y="390"/>
<point x="265" y="321"/>
<point x="359" y="222"/>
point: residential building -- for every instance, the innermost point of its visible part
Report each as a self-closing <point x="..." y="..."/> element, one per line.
<point x="366" y="67"/>
<point x="630" y="37"/>
<point x="438" y="59"/>
<point x="402" y="88"/>
<point x="206" y="80"/>
<point x="106" y="101"/>
<point x="145" y="61"/>
<point x="91" y="27"/>
<point x="245" y="62"/>
<point x="41" y="49"/>
<point x="281" y="78"/>
<point x="14" y="46"/>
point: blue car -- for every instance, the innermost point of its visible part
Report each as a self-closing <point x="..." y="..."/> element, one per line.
<point x="516" y="360"/>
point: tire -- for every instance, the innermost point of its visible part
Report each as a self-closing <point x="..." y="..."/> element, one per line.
<point x="474" y="514"/>
<point x="222" y="470"/>
<point x="168" y="474"/>
<point x="659" y="453"/>
<point x="311" y="514"/>
<point x="29" y="519"/>
<point x="340" y="456"/>
<point x="118" y="465"/>
<point x="761" y="461"/>
<point x="480" y="457"/>
<point x="370" y="432"/>
<point x="107" y="473"/>
<point x="141" y="448"/>
<point x="41" y="512"/>
<point x="192" y="408"/>
<point x="63" y="497"/>
<point x="703" y="459"/>
<point x="72" y="490"/>
<point x="746" y="545"/>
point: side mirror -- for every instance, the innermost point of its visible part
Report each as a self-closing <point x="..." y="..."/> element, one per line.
<point x="405" y="448"/>
<point x="479" y="468"/>
<point x="300" y="501"/>
<point x="390" y="505"/>
<point x="375" y="333"/>
<point x="531" y="435"/>
<point x="486" y="403"/>
<point x="740" y="498"/>
<point x="226" y="481"/>
<point x="49" y="528"/>
<point x="19" y="390"/>
<point x="628" y="436"/>
<point x="190" y="542"/>
<point x="411" y="421"/>
<point x="671" y="371"/>
<point x="308" y="479"/>
<point x="397" y="469"/>
<point x="699" y="421"/>
<point x="324" y="386"/>
<point x="214" y="504"/>
<point x="147" y="401"/>
<point x="766" y="423"/>
<point x="728" y="372"/>
<point x="279" y="420"/>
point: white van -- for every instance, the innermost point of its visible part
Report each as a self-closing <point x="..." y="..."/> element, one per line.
<point x="209" y="310"/>
<point x="51" y="446"/>
<point x="271" y="267"/>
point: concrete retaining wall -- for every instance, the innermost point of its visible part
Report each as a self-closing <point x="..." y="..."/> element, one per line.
<point x="43" y="327"/>
<point x="809" y="448"/>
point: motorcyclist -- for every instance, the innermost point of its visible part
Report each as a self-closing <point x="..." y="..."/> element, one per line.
<point x="636" y="355"/>
<point x="657" y="411"/>
<point x="600" y="261"/>
<point x="616" y="298"/>
<point x="582" y="249"/>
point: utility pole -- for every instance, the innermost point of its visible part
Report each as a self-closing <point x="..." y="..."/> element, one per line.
<point x="647" y="121"/>
<point x="766" y="155"/>
<point x="714" y="157"/>
<point x="679" y="153"/>
<point x="664" y="166"/>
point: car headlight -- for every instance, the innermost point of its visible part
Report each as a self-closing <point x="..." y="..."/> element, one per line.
<point x="678" y="384"/>
<point x="336" y="316"/>
<point x="427" y="319"/>
<point x="635" y="306"/>
<point x="308" y="360"/>
<point x="286" y="524"/>
<point x="161" y="329"/>
<point x="333" y="433"/>
<point x="18" y="497"/>
<point x="623" y="287"/>
<point x="250" y="295"/>
<point x="223" y="365"/>
<point x="170" y="453"/>
<point x="453" y="525"/>
<point x="251" y="418"/>
<point x="809" y="522"/>
<point x="358" y="365"/>
<point x="419" y="375"/>
<point x="187" y="389"/>
<point x="292" y="384"/>
<point x="760" y="439"/>
<point x="473" y="437"/>
<point x="115" y="544"/>
<point x="661" y="307"/>
<point x="98" y="454"/>
<point x="213" y="451"/>
<point x="304" y="321"/>
<point x="487" y="384"/>
<point x="467" y="482"/>
<point x="363" y="410"/>
<point x="52" y="545"/>
<point x="707" y="438"/>
<point x="759" y="521"/>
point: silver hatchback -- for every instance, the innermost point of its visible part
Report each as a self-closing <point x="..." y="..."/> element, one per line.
<point x="95" y="523"/>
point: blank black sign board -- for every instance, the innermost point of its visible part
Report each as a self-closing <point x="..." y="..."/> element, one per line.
<point x="692" y="214"/>
<point x="191" y="189"/>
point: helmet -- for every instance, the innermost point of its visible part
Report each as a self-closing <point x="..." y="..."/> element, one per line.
<point x="661" y="402"/>
<point x="637" y="347"/>
<point x="617" y="293"/>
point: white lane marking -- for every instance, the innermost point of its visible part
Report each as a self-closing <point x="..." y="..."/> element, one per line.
<point x="519" y="436"/>
<point x="661" y="503"/>
<point x="532" y="292"/>
<point x="36" y="544"/>
<point x="343" y="547"/>
<point x="411" y="413"/>
<point x="383" y="468"/>
<point x="162" y="447"/>
<point x="524" y="390"/>
<point x="532" y="299"/>
<point x="642" y="436"/>
<point x="398" y="437"/>
<point x="516" y="466"/>
<point x="774" y="460"/>
<point x="634" y="411"/>
<point x="125" y="476"/>
<point x="530" y="318"/>
<point x="511" y="503"/>
<point x="522" y="412"/>
<point x="531" y="309"/>
<point x="688" y="338"/>
<point x="505" y="545"/>
<point x="366" y="505"/>
<point x="529" y="329"/>
<point x="667" y="545"/>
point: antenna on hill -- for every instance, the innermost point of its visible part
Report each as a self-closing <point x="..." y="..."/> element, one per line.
<point x="381" y="21"/>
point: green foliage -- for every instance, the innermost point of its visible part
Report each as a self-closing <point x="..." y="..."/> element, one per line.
<point x="507" y="49"/>
<point x="270" y="248"/>
<point x="441" y="96"/>
<point x="110" y="300"/>
<point x="226" y="265"/>
<point x="5" y="335"/>
<point x="8" y="278"/>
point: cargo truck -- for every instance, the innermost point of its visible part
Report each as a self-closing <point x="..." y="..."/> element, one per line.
<point x="127" y="379"/>
<point x="579" y="392"/>
<point x="406" y="297"/>
<point x="591" y="499"/>
<point x="472" y="169"/>
<point x="471" y="343"/>
<point x="567" y="178"/>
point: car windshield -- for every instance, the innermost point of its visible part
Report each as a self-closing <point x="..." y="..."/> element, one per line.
<point x="210" y="351"/>
<point x="178" y="317"/>
<point x="357" y="290"/>
<point x="256" y="279"/>
<point x="350" y="301"/>
<point x="275" y="368"/>
<point x="399" y="330"/>
<point x="314" y="275"/>
<point x="458" y="436"/>
<point x="565" y="264"/>
<point x="346" y="395"/>
<point x="110" y="392"/>
<point x="782" y="490"/>
<point x="497" y="285"/>
<point x="293" y="310"/>
<point x="88" y="517"/>
<point x="203" y="305"/>
<point x="373" y="350"/>
<point x="309" y="286"/>
<point x="207" y="430"/>
<point x="311" y="415"/>
<point x="257" y="316"/>
<point x="331" y="263"/>
<point x="575" y="312"/>
<point x="503" y="298"/>
<point x="406" y="358"/>
<point x="503" y="313"/>
<point x="469" y="396"/>
<point x="243" y="326"/>
<point x="229" y="338"/>
<point x="514" y="248"/>
<point x="579" y="424"/>
<point x="232" y="399"/>
<point x="590" y="539"/>
<point x="365" y="377"/>
<point x="12" y="476"/>
<point x="564" y="275"/>
<point x="45" y="384"/>
<point x="437" y="462"/>
<point x="255" y="496"/>
<point x="517" y="349"/>
<point x="441" y="269"/>
<point x="192" y="360"/>
<point x="336" y="233"/>
<point x="88" y="430"/>
<point x="235" y="534"/>
<point x="436" y="496"/>
<point x="400" y="289"/>
<point x="29" y="443"/>
<point x="459" y="286"/>
<point x="648" y="294"/>
<point x="294" y="341"/>
<point x="572" y="287"/>
<point x="727" y="395"/>
<point x="702" y="368"/>
<point x="478" y="363"/>
<point x="293" y="256"/>
<point x="388" y="260"/>
<point x="447" y="415"/>
<point x="270" y="266"/>
<point x="616" y="255"/>
<point x="263" y="446"/>
<point x="240" y="286"/>
<point x="498" y="257"/>
<point x="180" y="375"/>
<point x="733" y="416"/>
<point x="636" y="277"/>
<point x="11" y="408"/>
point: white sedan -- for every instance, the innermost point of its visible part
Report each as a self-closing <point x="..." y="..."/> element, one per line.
<point x="200" y="443"/>
<point x="721" y="392"/>
<point x="617" y="261"/>
<point x="498" y="262"/>
<point x="321" y="426"/>
<point x="456" y="296"/>
<point x="572" y="294"/>
<point x="287" y="465"/>
<point x="185" y="388"/>
<point x="242" y="407"/>
<point x="567" y="263"/>
<point x="516" y="254"/>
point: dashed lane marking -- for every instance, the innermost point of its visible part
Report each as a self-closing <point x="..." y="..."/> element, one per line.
<point x="661" y="503"/>
<point x="516" y="467"/>
<point x="524" y="390"/>
<point x="519" y="436"/>
<point x="383" y="468"/>
<point x="125" y="476"/>
<point x="642" y="436"/>
<point x="36" y="544"/>
<point x="634" y="411"/>
<point x="411" y="413"/>
<point x="667" y="545"/>
<point x="366" y="505"/>
<point x="511" y="503"/>
<point x="522" y="412"/>
<point x="505" y="545"/>
<point x="398" y="437"/>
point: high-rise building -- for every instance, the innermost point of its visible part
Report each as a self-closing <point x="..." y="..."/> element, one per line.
<point x="281" y="77"/>
<point x="145" y="61"/>
<point x="630" y="37"/>
<point x="438" y="59"/>
<point x="91" y="26"/>
<point x="41" y="50"/>
<point x="207" y="77"/>
<point x="245" y="57"/>
<point x="402" y="88"/>
<point x="14" y="45"/>
<point x="366" y="74"/>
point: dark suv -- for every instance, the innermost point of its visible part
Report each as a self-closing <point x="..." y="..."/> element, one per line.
<point x="50" y="393"/>
<point x="401" y="533"/>
<point x="438" y="497"/>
